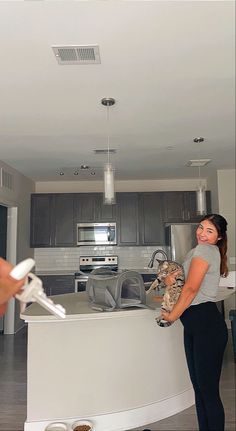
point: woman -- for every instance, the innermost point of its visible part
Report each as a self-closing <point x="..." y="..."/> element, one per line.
<point x="8" y="285"/>
<point x="205" y="331"/>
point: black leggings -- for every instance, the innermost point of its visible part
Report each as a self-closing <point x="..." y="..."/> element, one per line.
<point x="205" y="339"/>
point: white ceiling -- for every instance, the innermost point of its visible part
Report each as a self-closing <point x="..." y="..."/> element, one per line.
<point x="168" y="64"/>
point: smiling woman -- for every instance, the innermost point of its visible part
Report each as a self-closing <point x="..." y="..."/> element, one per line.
<point x="205" y="331"/>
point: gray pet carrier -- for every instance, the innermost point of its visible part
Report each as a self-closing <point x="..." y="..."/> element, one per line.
<point x="109" y="290"/>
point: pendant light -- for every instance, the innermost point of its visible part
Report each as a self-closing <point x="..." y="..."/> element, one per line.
<point x="201" y="190"/>
<point x="201" y="196"/>
<point x="109" y="186"/>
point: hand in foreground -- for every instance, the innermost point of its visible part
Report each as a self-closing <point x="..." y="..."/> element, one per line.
<point x="8" y="285"/>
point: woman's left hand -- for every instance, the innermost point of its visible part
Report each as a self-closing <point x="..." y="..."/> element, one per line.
<point x="167" y="316"/>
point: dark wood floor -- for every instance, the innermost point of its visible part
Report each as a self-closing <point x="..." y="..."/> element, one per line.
<point x="13" y="389"/>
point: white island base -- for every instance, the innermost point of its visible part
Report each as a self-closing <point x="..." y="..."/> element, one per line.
<point x="119" y="370"/>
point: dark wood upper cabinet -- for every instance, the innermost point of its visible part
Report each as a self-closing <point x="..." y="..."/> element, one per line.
<point x="140" y="217"/>
<point x="52" y="220"/>
<point x="63" y="209"/>
<point x="89" y="207"/>
<point x="127" y="218"/>
<point x="105" y="213"/>
<point x="85" y="205"/>
<point x="151" y="219"/>
<point x="174" y="209"/>
<point x="181" y="206"/>
<point x="41" y="227"/>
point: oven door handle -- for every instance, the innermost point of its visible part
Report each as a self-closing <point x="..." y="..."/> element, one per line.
<point x="82" y="273"/>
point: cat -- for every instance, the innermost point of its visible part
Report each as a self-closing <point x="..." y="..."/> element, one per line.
<point x="172" y="292"/>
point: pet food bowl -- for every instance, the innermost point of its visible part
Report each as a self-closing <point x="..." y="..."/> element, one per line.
<point x="82" y="425"/>
<point x="57" y="426"/>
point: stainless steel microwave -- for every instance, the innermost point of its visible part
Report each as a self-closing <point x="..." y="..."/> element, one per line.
<point x="96" y="233"/>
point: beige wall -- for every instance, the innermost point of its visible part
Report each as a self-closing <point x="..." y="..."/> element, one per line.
<point x="226" y="193"/>
<point x="19" y="197"/>
<point x="120" y="186"/>
<point x="212" y="185"/>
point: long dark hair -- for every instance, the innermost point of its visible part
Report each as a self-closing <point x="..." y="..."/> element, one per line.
<point x="221" y="226"/>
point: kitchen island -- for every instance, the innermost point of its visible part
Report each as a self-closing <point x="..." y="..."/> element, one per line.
<point x="118" y="369"/>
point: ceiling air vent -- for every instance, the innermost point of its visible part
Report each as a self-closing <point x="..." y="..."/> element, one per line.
<point x="105" y="151"/>
<point x="77" y="54"/>
<point x="198" y="163"/>
<point x="6" y="179"/>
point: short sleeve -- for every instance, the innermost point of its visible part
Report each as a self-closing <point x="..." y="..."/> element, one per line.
<point x="205" y="251"/>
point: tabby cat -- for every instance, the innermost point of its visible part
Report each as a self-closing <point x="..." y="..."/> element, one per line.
<point x="172" y="291"/>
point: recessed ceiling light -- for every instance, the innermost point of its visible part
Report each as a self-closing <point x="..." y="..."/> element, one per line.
<point x="198" y="139"/>
<point x="61" y="173"/>
<point x="84" y="167"/>
<point x="92" y="173"/>
<point x="76" y="173"/>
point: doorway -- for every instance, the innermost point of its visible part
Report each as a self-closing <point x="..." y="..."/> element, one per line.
<point x="3" y="231"/>
<point x="3" y="242"/>
<point x="8" y="241"/>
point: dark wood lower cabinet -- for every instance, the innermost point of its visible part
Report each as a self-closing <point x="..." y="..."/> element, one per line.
<point x="58" y="284"/>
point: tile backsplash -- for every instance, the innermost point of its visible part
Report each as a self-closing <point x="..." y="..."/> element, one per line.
<point x="68" y="258"/>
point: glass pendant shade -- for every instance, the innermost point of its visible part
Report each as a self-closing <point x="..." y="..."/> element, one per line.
<point x="201" y="200"/>
<point x="109" y="189"/>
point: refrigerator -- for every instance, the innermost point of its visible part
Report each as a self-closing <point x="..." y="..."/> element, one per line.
<point x="180" y="238"/>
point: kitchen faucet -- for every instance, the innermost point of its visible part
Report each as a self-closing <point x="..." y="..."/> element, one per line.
<point x="159" y="250"/>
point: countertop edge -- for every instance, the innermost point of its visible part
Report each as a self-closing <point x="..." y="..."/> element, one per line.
<point x="90" y="316"/>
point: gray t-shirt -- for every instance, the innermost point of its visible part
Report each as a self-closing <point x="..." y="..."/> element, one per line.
<point x="210" y="283"/>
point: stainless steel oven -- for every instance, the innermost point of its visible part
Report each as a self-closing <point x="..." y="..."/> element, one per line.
<point x="96" y="233"/>
<point x="88" y="264"/>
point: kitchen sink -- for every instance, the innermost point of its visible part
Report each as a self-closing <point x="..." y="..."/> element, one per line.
<point x="149" y="277"/>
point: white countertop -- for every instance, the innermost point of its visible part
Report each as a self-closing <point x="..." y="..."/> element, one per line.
<point x="229" y="280"/>
<point x="78" y="308"/>
<point x="72" y="271"/>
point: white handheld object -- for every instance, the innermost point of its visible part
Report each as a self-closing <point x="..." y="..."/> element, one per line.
<point x="33" y="289"/>
<point x="22" y="269"/>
